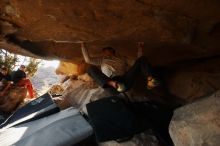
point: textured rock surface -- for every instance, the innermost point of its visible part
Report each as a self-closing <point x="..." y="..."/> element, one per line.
<point x="13" y="99"/>
<point x="197" y="124"/>
<point x="80" y="92"/>
<point x="143" y="139"/>
<point x="194" y="79"/>
<point x="171" y="30"/>
<point x="66" y="68"/>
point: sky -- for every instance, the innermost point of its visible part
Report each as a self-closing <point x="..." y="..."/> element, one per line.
<point x="51" y="63"/>
<point x="44" y="63"/>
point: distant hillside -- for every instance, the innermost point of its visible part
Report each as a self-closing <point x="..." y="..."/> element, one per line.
<point x="44" y="78"/>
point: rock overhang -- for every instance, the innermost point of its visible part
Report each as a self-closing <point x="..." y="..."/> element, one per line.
<point x="172" y="30"/>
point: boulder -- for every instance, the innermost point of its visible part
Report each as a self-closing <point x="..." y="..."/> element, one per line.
<point x="198" y="123"/>
<point x="13" y="99"/>
<point x="78" y="92"/>
<point x="146" y="138"/>
<point x="66" y="68"/>
<point x="194" y="79"/>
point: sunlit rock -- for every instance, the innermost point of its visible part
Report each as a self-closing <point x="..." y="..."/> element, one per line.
<point x="66" y="68"/>
<point x="197" y="124"/>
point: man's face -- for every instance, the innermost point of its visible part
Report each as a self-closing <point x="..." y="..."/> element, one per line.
<point x="22" y="68"/>
<point x="4" y="72"/>
<point x="107" y="53"/>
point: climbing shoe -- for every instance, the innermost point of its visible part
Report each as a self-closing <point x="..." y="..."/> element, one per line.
<point x="120" y="87"/>
<point x="152" y="83"/>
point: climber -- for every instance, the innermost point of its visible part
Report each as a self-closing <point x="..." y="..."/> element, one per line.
<point x="5" y="81"/>
<point x="114" y="72"/>
<point x="19" y="78"/>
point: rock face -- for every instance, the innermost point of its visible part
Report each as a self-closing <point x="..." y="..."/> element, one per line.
<point x="171" y="30"/>
<point x="66" y="68"/>
<point x="194" y="79"/>
<point x="143" y="139"/>
<point x="197" y="124"/>
<point x="13" y="99"/>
